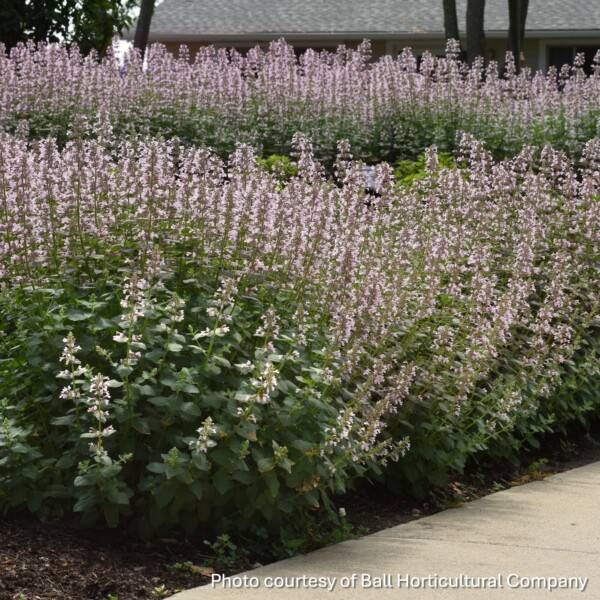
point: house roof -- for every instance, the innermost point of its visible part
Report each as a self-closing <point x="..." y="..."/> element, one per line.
<point x="196" y="20"/>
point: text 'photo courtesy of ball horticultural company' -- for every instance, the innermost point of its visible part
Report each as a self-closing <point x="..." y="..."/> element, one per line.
<point x="403" y="581"/>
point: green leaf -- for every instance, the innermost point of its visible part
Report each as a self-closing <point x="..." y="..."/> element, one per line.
<point x="172" y="384"/>
<point x="156" y="467"/>
<point x="189" y="388"/>
<point x="244" y="477"/>
<point x="173" y="347"/>
<point x="286" y="464"/>
<point x="117" y="497"/>
<point x="124" y="370"/>
<point x="297" y="477"/>
<point x="111" y="514"/>
<point x="160" y="400"/>
<point x="164" y="494"/>
<point x="144" y="390"/>
<point x="221" y="361"/>
<point x="312" y="498"/>
<point x="102" y="323"/>
<point x="83" y="480"/>
<point x="438" y="478"/>
<point x="78" y="316"/>
<point x="184" y="476"/>
<point x="111" y="470"/>
<point x="142" y="426"/>
<point x="272" y="483"/>
<point x="24" y="449"/>
<point x="248" y="430"/>
<point x="190" y="409"/>
<point x="302" y="445"/>
<point x="196" y="489"/>
<point x="213" y="369"/>
<point x="67" y="420"/>
<point x="222" y="481"/>
<point x="221" y="456"/>
<point x="29" y="472"/>
<point x="86" y="502"/>
<point x="200" y="460"/>
<point x="265" y="465"/>
<point x="157" y="517"/>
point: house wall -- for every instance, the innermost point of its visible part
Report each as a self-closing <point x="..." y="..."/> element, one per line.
<point x="535" y="51"/>
<point x="496" y="50"/>
<point x="574" y="44"/>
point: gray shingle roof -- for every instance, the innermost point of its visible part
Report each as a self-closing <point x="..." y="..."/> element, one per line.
<point x="207" y="18"/>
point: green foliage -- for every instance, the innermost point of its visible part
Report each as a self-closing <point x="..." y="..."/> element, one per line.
<point x="282" y="167"/>
<point x="151" y="384"/>
<point x="220" y="413"/>
<point x="443" y="442"/>
<point x="91" y="24"/>
<point x="408" y="171"/>
<point x="225" y="551"/>
<point x="317" y="531"/>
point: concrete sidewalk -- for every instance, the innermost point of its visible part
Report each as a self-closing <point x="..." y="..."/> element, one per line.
<point x="540" y="540"/>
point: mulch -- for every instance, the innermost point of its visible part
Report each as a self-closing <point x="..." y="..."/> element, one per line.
<point x="56" y="559"/>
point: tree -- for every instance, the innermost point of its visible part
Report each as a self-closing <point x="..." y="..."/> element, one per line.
<point x="517" y="17"/>
<point x="451" y="21"/>
<point x="475" y="31"/>
<point x="142" y="29"/>
<point x="11" y="15"/>
<point x="91" y="24"/>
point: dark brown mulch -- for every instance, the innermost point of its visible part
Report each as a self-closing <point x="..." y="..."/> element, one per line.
<point x="58" y="560"/>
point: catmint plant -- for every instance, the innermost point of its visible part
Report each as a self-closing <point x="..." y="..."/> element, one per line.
<point x="239" y="349"/>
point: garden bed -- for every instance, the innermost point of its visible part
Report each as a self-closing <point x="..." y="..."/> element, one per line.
<point x="217" y="344"/>
<point x="57" y="559"/>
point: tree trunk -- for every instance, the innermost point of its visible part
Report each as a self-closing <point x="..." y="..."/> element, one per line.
<point x="524" y="9"/>
<point x="142" y="29"/>
<point x="475" y="31"/>
<point x="450" y="21"/>
<point x="514" y="31"/>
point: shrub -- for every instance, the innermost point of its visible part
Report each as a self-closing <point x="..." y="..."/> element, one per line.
<point x="211" y="407"/>
<point x="459" y="311"/>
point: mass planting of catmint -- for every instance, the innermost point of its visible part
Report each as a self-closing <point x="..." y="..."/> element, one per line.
<point x="192" y="340"/>
<point x="389" y="109"/>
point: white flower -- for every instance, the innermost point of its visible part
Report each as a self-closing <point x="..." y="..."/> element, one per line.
<point x="203" y="443"/>
<point x="202" y="334"/>
<point x="69" y="351"/>
<point x="68" y="393"/>
<point x="108" y="431"/>
<point x="245" y="367"/>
